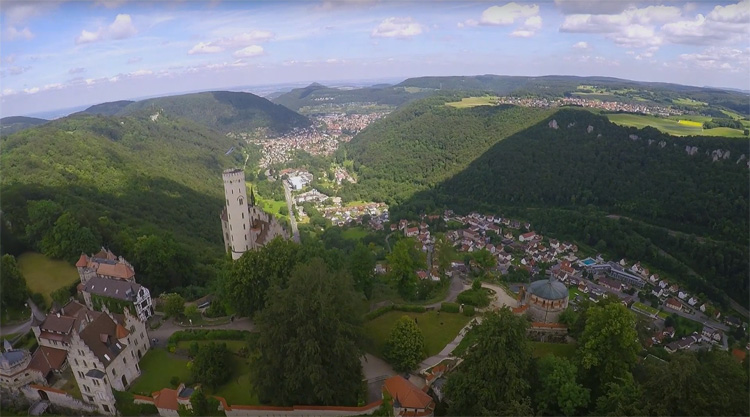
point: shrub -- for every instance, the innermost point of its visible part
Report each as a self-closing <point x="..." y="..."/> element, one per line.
<point x="174" y="381"/>
<point x="216" y="309"/>
<point x="468" y="311"/>
<point x="410" y="308"/>
<point x="476" y="298"/>
<point x="450" y="307"/>
<point x="379" y="312"/>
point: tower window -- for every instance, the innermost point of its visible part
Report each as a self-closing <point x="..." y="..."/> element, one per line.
<point x="243" y="215"/>
<point x="243" y="226"/>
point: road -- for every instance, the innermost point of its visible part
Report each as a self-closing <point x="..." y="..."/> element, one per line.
<point x="292" y="219"/>
<point x="23" y="328"/>
<point x="457" y="285"/>
<point x="168" y="327"/>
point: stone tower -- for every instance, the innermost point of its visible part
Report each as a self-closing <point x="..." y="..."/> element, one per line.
<point x="235" y="195"/>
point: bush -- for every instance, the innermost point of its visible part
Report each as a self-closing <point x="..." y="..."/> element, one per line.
<point x="205" y="334"/>
<point x="409" y="308"/>
<point x="450" y="307"/>
<point x="38" y="299"/>
<point x="216" y="309"/>
<point x="126" y="406"/>
<point x="476" y="298"/>
<point x="378" y="312"/>
<point x="469" y="311"/>
<point x="174" y="381"/>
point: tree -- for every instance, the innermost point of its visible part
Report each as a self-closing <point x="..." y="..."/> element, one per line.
<point x="199" y="402"/>
<point x="361" y="266"/>
<point x="405" y="347"/>
<point x="284" y="210"/>
<point x="444" y="253"/>
<point x="309" y="334"/>
<point x="174" y="304"/>
<point x="14" y="290"/>
<point x="211" y="365"/>
<point x="484" y="259"/>
<point x="191" y="311"/>
<point x="68" y="239"/>
<point x="256" y="271"/>
<point x="42" y="216"/>
<point x="608" y="346"/>
<point x="404" y="261"/>
<point x="492" y="379"/>
<point x="558" y="392"/>
<point x="622" y="397"/>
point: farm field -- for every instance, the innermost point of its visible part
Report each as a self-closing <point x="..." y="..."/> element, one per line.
<point x="472" y="102"/>
<point x="45" y="275"/>
<point x="671" y="126"/>
<point x="688" y="102"/>
<point x="438" y="329"/>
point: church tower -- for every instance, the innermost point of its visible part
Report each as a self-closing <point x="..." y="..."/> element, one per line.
<point x="236" y="224"/>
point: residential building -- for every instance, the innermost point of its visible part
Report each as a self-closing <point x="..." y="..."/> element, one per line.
<point x="673" y="303"/>
<point x="407" y="399"/>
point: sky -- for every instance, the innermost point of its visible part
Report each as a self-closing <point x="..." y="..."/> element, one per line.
<point x="61" y="54"/>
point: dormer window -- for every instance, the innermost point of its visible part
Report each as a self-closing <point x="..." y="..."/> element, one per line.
<point x="107" y="357"/>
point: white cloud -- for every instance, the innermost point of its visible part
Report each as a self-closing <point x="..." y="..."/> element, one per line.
<point x="609" y="23"/>
<point x="636" y="36"/>
<point x="110" y="4"/>
<point x="397" y="27"/>
<point x="533" y="23"/>
<point x="205" y="48"/>
<point x="14" y="70"/>
<point x="724" y="24"/>
<point x="519" y="33"/>
<point x="581" y="45"/>
<point x="507" y="14"/>
<point x="11" y="34"/>
<point x="19" y="12"/>
<point x="591" y="6"/>
<point x="140" y="73"/>
<point x="77" y="70"/>
<point x="121" y="28"/>
<point x="249" y="51"/>
<point x="719" y="58"/>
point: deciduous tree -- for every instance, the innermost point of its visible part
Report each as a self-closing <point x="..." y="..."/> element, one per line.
<point x="405" y="346"/>
<point x="558" y="392"/>
<point x="174" y="304"/>
<point x="404" y="261"/>
<point x="14" y="290"/>
<point x="211" y="366"/>
<point x="361" y="266"/>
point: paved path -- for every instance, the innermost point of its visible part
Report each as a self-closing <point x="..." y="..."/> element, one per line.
<point x="168" y="327"/>
<point x="457" y="286"/>
<point x="450" y="347"/>
<point x="24" y="327"/>
<point x="292" y="219"/>
<point x="374" y="367"/>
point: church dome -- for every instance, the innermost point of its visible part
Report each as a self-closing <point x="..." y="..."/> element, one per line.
<point x="549" y="289"/>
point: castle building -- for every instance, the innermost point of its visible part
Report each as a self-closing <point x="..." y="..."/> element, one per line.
<point x="102" y="349"/>
<point x="106" y="278"/>
<point x="17" y="368"/>
<point x="244" y="225"/>
<point x="545" y="300"/>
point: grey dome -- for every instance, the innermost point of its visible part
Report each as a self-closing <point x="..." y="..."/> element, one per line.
<point x="549" y="289"/>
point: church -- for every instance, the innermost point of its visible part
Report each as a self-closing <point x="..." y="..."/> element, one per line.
<point x="244" y="225"/>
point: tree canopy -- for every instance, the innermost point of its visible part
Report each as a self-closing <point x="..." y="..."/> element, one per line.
<point x="211" y="365"/>
<point x="309" y="340"/>
<point x="405" y="346"/>
<point x="13" y="284"/>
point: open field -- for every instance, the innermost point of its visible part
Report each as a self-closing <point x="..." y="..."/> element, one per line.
<point x="644" y="307"/>
<point x="354" y="233"/>
<point x="438" y="329"/>
<point x="688" y="102"/>
<point x="690" y="123"/>
<point x="473" y="102"/>
<point x="157" y="367"/>
<point x="670" y="126"/>
<point x="563" y="350"/>
<point x="44" y="275"/>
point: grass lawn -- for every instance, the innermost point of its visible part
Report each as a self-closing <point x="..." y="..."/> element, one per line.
<point x="472" y="102"/>
<point x="688" y="102"/>
<point x="563" y="350"/>
<point x="663" y="314"/>
<point x="671" y="126"/>
<point x="436" y="335"/>
<point x="354" y="233"/>
<point x="573" y="293"/>
<point x="237" y="389"/>
<point x="467" y="341"/>
<point x="44" y="275"/>
<point x="644" y="307"/>
<point x="158" y="366"/>
<point x="10" y="315"/>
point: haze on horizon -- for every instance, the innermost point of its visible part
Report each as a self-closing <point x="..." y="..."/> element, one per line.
<point x="62" y="54"/>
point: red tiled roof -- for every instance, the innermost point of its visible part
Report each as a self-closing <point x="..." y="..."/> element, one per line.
<point x="50" y="389"/>
<point x="407" y="393"/>
<point x="121" y="332"/>
<point x="117" y="270"/>
<point x="82" y="261"/>
<point x="166" y="398"/>
<point x="143" y="398"/>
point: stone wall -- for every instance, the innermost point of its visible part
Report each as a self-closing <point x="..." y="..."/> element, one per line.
<point x="55" y="396"/>
<point x="300" y="411"/>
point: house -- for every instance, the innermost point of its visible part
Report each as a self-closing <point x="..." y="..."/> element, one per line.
<point x="710" y="334"/>
<point x="402" y="224"/>
<point x="422" y="274"/>
<point x="582" y="287"/>
<point x="394" y="226"/>
<point x="674" y="288"/>
<point x="682" y="295"/>
<point x="380" y="269"/>
<point x="407" y="399"/>
<point x="683" y="344"/>
<point x="663" y="284"/>
<point x="653" y="278"/>
<point x="668" y="332"/>
<point x="411" y="231"/>
<point x="658" y="293"/>
<point x="693" y="301"/>
<point x="674" y="304"/>
<point x="610" y="284"/>
<point x="526" y="237"/>
<point x="733" y="321"/>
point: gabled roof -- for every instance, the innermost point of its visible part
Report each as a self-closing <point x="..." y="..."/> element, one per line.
<point x="82" y="261"/>
<point x="101" y="337"/>
<point x="407" y="393"/>
<point x="113" y="288"/>
<point x="166" y="398"/>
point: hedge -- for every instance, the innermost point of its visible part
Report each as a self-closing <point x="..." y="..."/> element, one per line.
<point x="476" y="298"/>
<point x="468" y="311"/>
<point x="126" y="406"/>
<point x="397" y="307"/>
<point x="207" y="334"/>
<point x="450" y="307"/>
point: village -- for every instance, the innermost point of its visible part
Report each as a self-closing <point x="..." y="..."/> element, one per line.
<point x="612" y="106"/>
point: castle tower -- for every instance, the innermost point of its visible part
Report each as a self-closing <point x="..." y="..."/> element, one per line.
<point x="236" y="224"/>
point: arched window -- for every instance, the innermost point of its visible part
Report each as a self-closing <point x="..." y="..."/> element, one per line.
<point x="242" y="201"/>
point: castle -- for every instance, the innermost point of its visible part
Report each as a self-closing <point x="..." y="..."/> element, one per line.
<point x="244" y="225"/>
<point x="106" y="277"/>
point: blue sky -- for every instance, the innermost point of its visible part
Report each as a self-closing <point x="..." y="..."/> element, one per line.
<point x="63" y="54"/>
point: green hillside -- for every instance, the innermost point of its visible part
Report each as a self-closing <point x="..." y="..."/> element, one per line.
<point x="14" y="124"/>
<point x="120" y="178"/>
<point x="426" y="142"/>
<point x="317" y="98"/>
<point x="567" y="180"/>
<point x="224" y="111"/>
<point x="108" y="109"/>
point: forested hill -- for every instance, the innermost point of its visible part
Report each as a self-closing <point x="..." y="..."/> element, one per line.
<point x="316" y="95"/>
<point x="113" y="180"/>
<point x="689" y="185"/>
<point x="14" y="124"/>
<point x="224" y="111"/>
<point x="552" y="86"/>
<point x="108" y="109"/>
<point x="425" y="142"/>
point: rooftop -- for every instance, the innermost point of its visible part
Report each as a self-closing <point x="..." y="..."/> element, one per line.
<point x="549" y="289"/>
